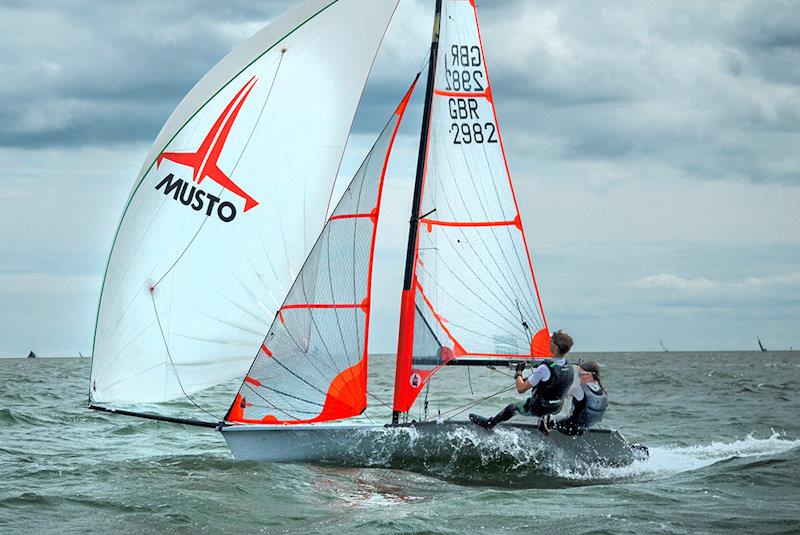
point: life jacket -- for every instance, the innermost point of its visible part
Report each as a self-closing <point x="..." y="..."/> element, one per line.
<point x="591" y="408"/>
<point x="557" y="385"/>
<point x="548" y="396"/>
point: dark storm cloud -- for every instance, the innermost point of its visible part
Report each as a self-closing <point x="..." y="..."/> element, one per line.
<point x="88" y="73"/>
<point x="708" y="90"/>
<point x="768" y="33"/>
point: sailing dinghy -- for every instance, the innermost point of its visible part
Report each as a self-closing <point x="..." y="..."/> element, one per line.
<point x="228" y="264"/>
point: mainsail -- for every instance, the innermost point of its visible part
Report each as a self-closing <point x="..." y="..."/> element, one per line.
<point x="312" y="365"/>
<point x="229" y="202"/>
<point x="471" y="290"/>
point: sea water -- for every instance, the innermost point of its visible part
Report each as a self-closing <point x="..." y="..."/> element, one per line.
<point x="722" y="429"/>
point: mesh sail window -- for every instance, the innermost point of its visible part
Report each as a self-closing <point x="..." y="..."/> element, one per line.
<point x="312" y="366"/>
<point x="474" y="291"/>
<point x="229" y="202"/>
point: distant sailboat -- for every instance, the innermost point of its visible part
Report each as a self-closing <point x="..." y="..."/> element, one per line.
<point x="32" y="355"/>
<point x="763" y="349"/>
<point x="663" y="346"/>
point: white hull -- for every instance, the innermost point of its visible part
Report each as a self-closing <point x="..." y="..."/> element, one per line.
<point x="378" y="445"/>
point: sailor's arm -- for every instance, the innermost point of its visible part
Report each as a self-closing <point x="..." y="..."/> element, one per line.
<point x="541" y="373"/>
<point x="522" y="384"/>
<point x="576" y="393"/>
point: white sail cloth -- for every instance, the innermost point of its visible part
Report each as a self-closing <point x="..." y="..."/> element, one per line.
<point x="474" y="293"/>
<point x="228" y="203"/>
<point x="473" y="271"/>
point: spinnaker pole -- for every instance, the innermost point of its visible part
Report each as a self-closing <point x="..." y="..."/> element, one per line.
<point x="160" y="418"/>
<point x="406" y="333"/>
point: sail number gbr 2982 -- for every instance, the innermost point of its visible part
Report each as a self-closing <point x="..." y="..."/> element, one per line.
<point x="464" y="72"/>
<point x="463" y="69"/>
<point x="467" y="127"/>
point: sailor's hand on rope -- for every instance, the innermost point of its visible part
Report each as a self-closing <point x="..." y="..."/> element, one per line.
<point x="519" y="369"/>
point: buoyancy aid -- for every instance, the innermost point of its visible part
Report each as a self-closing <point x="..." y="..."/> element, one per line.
<point x="589" y="410"/>
<point x="548" y="396"/>
<point x="557" y="385"/>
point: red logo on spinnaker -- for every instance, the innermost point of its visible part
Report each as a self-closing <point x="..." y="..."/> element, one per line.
<point x="204" y="160"/>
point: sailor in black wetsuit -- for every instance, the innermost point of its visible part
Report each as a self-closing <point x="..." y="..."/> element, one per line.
<point x="589" y="401"/>
<point x="550" y="382"/>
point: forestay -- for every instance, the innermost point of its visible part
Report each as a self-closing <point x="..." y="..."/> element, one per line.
<point x="228" y="203"/>
<point x="312" y="365"/>
<point x="474" y="292"/>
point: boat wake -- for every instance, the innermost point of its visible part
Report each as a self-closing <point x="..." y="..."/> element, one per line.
<point x="668" y="461"/>
<point x="510" y="459"/>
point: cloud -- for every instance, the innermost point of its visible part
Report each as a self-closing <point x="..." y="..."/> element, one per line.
<point x="704" y="91"/>
<point x="100" y="73"/>
<point x="666" y="281"/>
<point x="651" y="83"/>
<point x="652" y="144"/>
<point x="784" y="286"/>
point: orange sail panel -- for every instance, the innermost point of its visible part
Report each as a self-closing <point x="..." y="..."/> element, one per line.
<point x="312" y="365"/>
<point x="474" y="292"/>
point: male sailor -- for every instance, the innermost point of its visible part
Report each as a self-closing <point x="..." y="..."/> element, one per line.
<point x="589" y="401"/>
<point x="550" y="382"/>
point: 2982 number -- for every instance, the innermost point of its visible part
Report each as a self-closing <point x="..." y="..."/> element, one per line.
<point x="468" y="133"/>
<point x="458" y="80"/>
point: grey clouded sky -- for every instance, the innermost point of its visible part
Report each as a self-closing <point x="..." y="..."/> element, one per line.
<point x="653" y="146"/>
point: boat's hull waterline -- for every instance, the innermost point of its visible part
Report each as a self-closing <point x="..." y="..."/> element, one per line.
<point x="378" y="445"/>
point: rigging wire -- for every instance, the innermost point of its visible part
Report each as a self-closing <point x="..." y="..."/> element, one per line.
<point x="461" y="408"/>
<point x="379" y="400"/>
<point x="458" y="410"/>
<point x="522" y="320"/>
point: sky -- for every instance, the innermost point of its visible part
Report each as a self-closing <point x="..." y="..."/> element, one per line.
<point x="652" y="144"/>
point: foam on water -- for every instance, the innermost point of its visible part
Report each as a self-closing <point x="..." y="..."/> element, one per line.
<point x="667" y="461"/>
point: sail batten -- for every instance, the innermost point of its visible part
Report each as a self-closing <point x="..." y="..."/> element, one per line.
<point x="229" y="202"/>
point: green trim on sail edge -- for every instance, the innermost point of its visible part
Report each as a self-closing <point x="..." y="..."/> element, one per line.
<point x="136" y="188"/>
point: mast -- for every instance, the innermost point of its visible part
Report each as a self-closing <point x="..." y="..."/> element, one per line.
<point x="405" y="338"/>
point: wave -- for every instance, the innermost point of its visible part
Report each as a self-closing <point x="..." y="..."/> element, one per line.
<point x="12" y="417"/>
<point x="668" y="461"/>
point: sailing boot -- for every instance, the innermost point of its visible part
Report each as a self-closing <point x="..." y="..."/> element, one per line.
<point x="501" y="416"/>
<point x="480" y="420"/>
